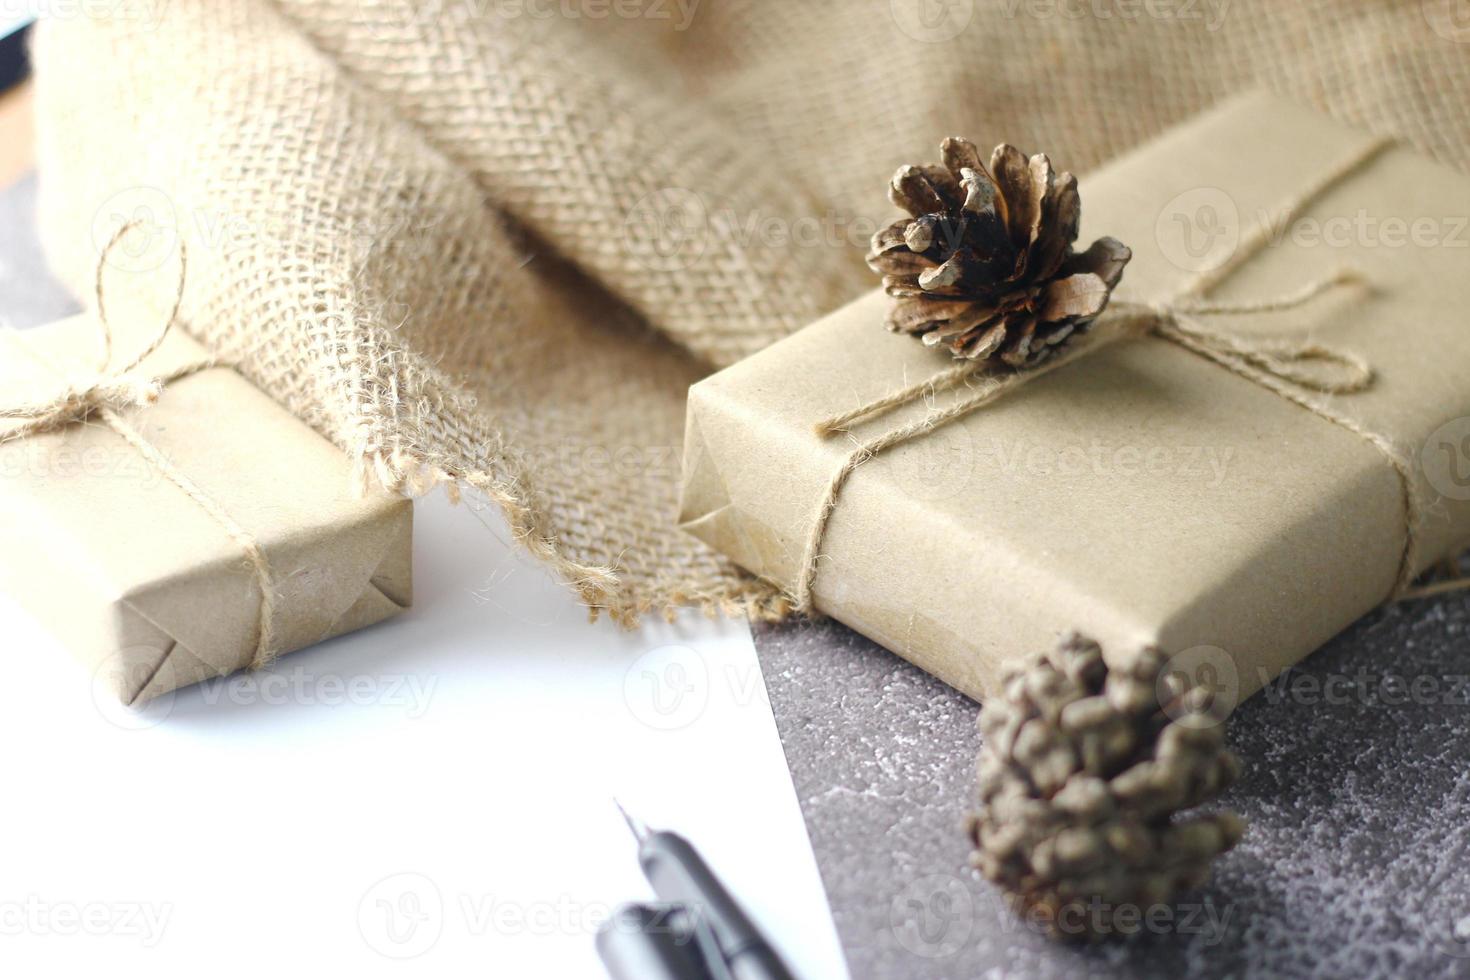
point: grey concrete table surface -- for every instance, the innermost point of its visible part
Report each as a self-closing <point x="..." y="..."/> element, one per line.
<point x="1357" y="786"/>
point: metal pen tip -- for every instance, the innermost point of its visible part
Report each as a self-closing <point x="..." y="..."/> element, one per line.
<point x="638" y="827"/>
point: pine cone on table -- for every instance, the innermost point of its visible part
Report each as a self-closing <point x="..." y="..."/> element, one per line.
<point x="984" y="265"/>
<point x="1081" y="775"/>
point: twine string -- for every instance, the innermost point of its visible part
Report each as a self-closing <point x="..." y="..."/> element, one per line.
<point x="1299" y="371"/>
<point x="108" y="392"/>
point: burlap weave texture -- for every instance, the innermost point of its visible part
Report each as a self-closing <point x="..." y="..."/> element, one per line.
<point x="494" y="242"/>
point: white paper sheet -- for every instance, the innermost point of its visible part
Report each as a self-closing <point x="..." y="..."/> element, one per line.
<point x="15" y="14"/>
<point x="432" y="797"/>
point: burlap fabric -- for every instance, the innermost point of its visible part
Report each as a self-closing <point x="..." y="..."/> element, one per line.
<point x="493" y="241"/>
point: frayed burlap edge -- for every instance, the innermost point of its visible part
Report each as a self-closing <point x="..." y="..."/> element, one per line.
<point x="600" y="588"/>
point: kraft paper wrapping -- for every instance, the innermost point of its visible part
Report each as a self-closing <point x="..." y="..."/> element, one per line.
<point x="1141" y="494"/>
<point x="135" y="577"/>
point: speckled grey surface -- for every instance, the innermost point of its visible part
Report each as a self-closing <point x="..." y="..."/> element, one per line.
<point x="1357" y="789"/>
<point x="1357" y="863"/>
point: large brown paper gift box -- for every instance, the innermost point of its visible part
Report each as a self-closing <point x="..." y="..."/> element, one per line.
<point x="148" y="589"/>
<point x="1140" y="494"/>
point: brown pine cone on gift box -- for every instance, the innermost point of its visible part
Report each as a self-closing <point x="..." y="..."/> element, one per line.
<point x="1082" y="771"/>
<point x="984" y="267"/>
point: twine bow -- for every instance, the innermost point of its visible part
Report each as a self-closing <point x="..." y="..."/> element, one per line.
<point x="1299" y="371"/>
<point x="109" y="391"/>
<point x="1303" y="365"/>
<point x="78" y="401"/>
<point x="106" y="389"/>
<point x="82" y="397"/>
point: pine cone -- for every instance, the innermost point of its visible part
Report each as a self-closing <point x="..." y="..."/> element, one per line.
<point x="985" y="266"/>
<point x="1081" y="774"/>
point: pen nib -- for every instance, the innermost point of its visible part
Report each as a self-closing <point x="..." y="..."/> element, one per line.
<point x="639" y="828"/>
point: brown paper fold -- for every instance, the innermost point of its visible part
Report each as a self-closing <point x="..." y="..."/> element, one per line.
<point x="145" y="586"/>
<point x="1141" y="494"/>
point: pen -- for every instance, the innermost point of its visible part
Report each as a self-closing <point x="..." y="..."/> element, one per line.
<point x="698" y="932"/>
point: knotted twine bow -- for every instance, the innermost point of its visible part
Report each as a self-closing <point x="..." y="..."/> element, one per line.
<point x="1295" y="370"/>
<point x="109" y="391"/>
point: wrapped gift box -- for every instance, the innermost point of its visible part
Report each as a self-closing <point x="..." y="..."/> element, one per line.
<point x="149" y="589"/>
<point x="1142" y="494"/>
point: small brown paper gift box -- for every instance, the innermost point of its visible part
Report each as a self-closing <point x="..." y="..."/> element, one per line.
<point x="137" y="578"/>
<point x="1141" y="493"/>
